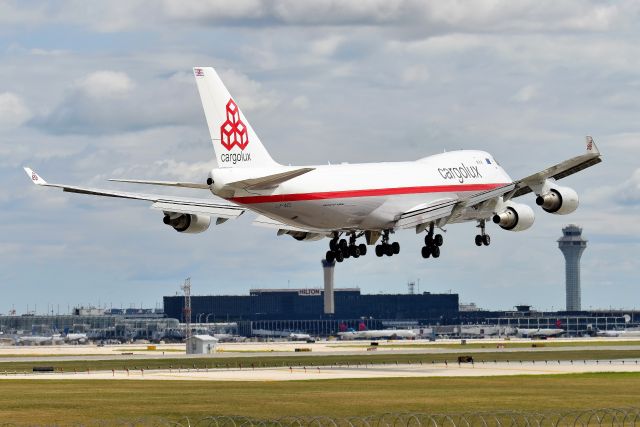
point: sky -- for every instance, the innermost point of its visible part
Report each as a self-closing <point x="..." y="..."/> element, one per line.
<point x="98" y="90"/>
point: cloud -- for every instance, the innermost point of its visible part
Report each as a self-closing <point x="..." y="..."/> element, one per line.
<point x="526" y="93"/>
<point x="107" y="102"/>
<point x="415" y="74"/>
<point x="13" y="111"/>
<point x="106" y="84"/>
<point x="109" y="93"/>
<point x="326" y="46"/>
<point x="629" y="191"/>
<point x="301" y="102"/>
<point x="251" y="94"/>
<point x="408" y="16"/>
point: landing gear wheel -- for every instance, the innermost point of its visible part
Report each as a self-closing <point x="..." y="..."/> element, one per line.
<point x="345" y="252"/>
<point x="354" y="251"/>
<point x="339" y="256"/>
<point x="486" y="240"/>
<point x="388" y="250"/>
<point x="363" y="249"/>
<point x="333" y="245"/>
<point x="426" y="252"/>
<point x="395" y="247"/>
<point x="435" y="251"/>
<point x="344" y="246"/>
<point x="379" y="250"/>
<point x="438" y="240"/>
<point x="428" y="240"/>
<point x="478" y="240"/>
<point x="330" y="257"/>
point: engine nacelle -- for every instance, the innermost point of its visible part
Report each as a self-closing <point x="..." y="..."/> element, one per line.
<point x="187" y="223"/>
<point x="515" y="217"/>
<point x="302" y="235"/>
<point x="558" y="200"/>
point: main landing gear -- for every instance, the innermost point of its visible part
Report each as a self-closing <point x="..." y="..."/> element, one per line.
<point x="482" y="238"/>
<point x="339" y="250"/>
<point x="432" y="244"/>
<point x="386" y="248"/>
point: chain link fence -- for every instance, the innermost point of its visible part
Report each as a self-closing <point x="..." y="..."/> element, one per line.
<point x="620" y="417"/>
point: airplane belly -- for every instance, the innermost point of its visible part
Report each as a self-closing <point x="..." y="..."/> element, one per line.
<point x="363" y="213"/>
<point x="329" y="214"/>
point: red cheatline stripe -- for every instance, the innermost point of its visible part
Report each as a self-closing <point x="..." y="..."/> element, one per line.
<point x="297" y="197"/>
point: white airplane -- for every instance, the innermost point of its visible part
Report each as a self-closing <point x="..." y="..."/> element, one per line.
<point x="79" y="338"/>
<point x="346" y="202"/>
<point x="377" y="334"/>
<point x="539" y="333"/>
<point x="299" y="336"/>
<point x="624" y="333"/>
<point x="54" y="339"/>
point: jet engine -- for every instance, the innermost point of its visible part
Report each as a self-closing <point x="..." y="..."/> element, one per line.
<point x="558" y="200"/>
<point x="301" y="235"/>
<point x="515" y="217"/>
<point x="187" y="223"/>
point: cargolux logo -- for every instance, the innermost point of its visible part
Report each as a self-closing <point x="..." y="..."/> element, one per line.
<point x="233" y="131"/>
<point x="460" y="173"/>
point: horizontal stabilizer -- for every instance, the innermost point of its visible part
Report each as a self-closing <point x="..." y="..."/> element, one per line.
<point x="266" y="182"/>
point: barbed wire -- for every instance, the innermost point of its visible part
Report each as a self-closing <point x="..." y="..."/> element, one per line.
<point x="609" y="417"/>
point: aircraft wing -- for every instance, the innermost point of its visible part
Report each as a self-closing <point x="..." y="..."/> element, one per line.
<point x="561" y="170"/>
<point x="222" y="211"/>
<point x="448" y="210"/>
<point x="427" y="213"/>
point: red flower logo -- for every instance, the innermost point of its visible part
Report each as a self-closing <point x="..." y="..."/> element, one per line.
<point x="233" y="131"/>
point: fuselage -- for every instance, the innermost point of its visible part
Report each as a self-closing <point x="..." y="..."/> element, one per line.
<point x="369" y="196"/>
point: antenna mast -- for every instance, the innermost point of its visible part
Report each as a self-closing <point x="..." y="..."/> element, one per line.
<point x="186" y="311"/>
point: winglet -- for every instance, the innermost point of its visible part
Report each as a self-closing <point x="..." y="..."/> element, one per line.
<point x="591" y="146"/>
<point x="37" y="179"/>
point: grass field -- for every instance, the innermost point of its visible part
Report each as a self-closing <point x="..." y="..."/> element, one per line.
<point x="316" y="360"/>
<point x="68" y="401"/>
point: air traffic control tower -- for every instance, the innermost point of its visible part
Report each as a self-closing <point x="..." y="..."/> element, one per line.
<point x="572" y="246"/>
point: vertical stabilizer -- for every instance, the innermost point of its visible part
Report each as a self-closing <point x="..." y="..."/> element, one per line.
<point x="234" y="141"/>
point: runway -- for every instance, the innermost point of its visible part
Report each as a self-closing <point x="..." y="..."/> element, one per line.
<point x="38" y="354"/>
<point x="285" y="373"/>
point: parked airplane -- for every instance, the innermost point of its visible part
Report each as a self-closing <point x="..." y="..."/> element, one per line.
<point x="539" y="333"/>
<point x="364" y="333"/>
<point x="624" y="333"/>
<point x="299" y="336"/>
<point x="54" y="339"/>
<point x="77" y="338"/>
<point x="347" y="202"/>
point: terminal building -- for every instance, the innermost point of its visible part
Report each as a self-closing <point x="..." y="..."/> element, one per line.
<point x="303" y="309"/>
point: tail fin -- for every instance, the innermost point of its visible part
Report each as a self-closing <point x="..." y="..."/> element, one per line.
<point x="234" y="141"/>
